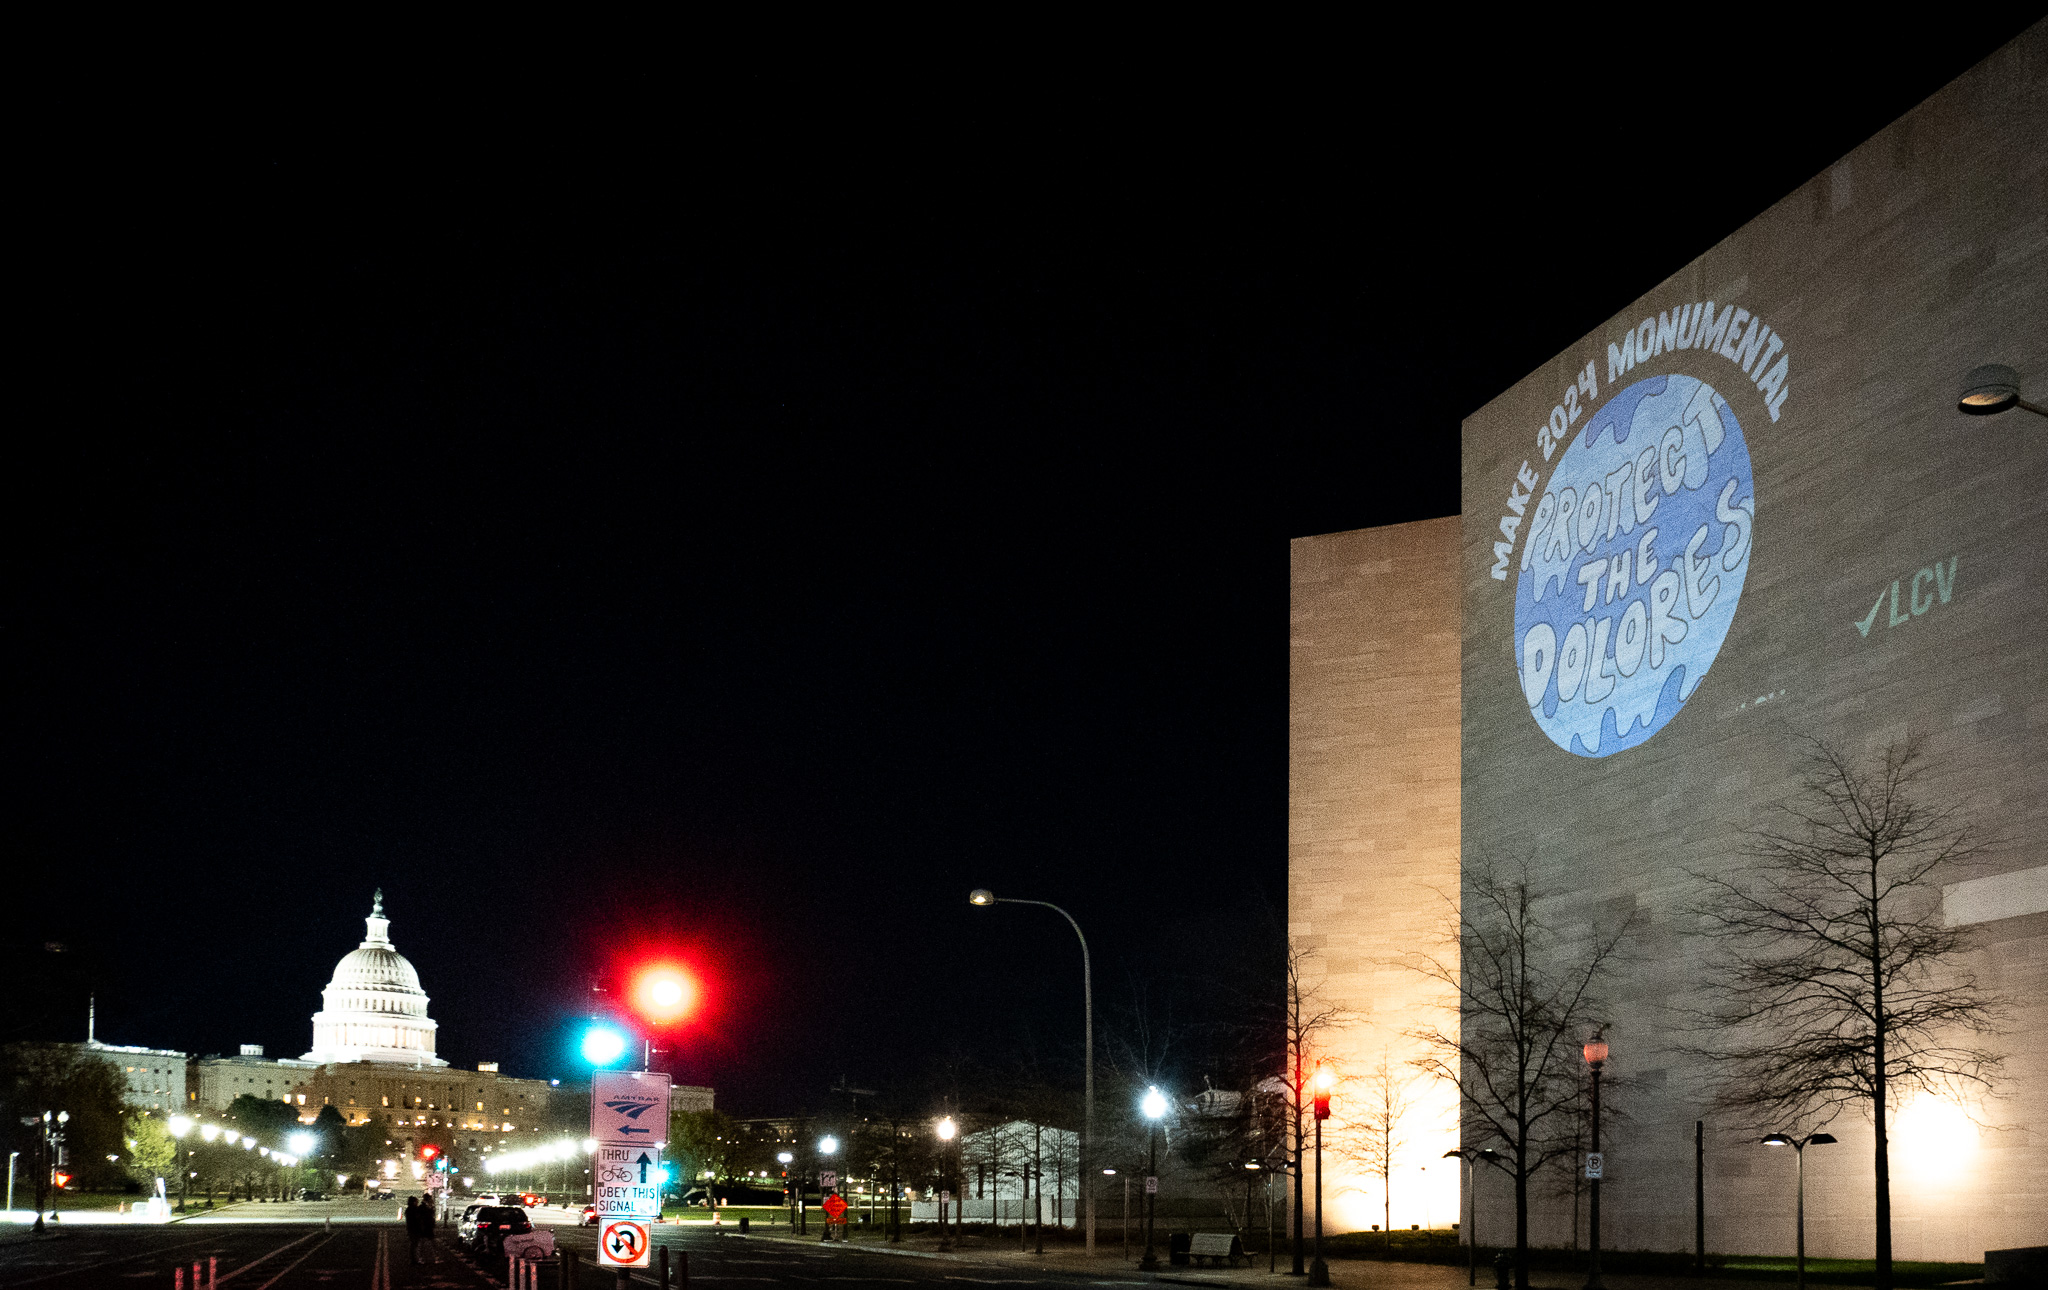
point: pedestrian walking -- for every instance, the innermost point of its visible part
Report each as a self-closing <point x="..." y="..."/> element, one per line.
<point x="419" y="1227"/>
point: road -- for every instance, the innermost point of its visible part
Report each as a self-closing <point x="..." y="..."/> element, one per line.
<point x="350" y="1243"/>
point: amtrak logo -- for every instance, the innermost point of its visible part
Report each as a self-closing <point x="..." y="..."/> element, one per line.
<point x="1633" y="565"/>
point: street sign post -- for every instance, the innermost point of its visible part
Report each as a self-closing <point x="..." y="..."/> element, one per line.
<point x="828" y="1178"/>
<point x="1596" y="1163"/>
<point x="629" y="1120"/>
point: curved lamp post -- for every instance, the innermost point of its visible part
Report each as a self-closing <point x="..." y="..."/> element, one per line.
<point x="983" y="896"/>
<point x="1991" y="389"/>
<point x="1471" y="1157"/>
<point x="1799" y="1146"/>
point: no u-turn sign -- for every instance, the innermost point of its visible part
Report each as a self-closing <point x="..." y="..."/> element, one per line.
<point x="623" y="1243"/>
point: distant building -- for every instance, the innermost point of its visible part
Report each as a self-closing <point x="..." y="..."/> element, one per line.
<point x="218" y="1081"/>
<point x="152" y="1079"/>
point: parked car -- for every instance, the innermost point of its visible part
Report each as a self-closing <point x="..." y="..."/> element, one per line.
<point x="589" y="1218"/>
<point x="307" y="1193"/>
<point x="483" y="1228"/>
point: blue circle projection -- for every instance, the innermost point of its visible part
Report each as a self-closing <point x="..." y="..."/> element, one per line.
<point x="1633" y="566"/>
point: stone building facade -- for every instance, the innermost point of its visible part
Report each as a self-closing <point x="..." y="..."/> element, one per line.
<point x="1745" y="511"/>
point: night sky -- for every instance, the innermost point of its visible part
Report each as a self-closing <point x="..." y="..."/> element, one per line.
<point x="737" y="512"/>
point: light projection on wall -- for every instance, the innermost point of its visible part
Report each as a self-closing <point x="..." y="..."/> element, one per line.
<point x="1633" y="565"/>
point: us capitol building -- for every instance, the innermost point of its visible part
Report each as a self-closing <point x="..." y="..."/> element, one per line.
<point x="373" y="1059"/>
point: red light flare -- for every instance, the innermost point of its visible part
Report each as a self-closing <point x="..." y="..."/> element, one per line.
<point x="663" y="993"/>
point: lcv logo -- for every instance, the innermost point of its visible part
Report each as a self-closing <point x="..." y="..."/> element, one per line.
<point x="1924" y="590"/>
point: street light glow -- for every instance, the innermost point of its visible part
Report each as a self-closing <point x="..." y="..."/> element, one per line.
<point x="827" y="1145"/>
<point x="209" y="1131"/>
<point x="179" y="1125"/>
<point x="947" y="1129"/>
<point x="302" y="1144"/>
<point x="1154" y="1104"/>
<point x="981" y="896"/>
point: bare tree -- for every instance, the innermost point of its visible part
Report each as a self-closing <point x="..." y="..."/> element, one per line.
<point x="1838" y="986"/>
<point x="1523" y="1005"/>
<point x="1382" y="1101"/>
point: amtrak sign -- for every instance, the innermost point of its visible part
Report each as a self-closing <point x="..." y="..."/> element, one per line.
<point x="629" y="1107"/>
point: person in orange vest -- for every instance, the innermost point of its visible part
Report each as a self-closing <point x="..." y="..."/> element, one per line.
<point x="835" y="1214"/>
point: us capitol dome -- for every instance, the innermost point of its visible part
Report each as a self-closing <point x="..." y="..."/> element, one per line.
<point x="374" y="1009"/>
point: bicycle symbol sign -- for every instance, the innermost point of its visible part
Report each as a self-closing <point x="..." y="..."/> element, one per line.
<point x="616" y="1174"/>
<point x="623" y="1245"/>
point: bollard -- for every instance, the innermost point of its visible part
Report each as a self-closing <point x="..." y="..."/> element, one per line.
<point x="683" y="1267"/>
<point x="1503" y="1271"/>
<point x="664" y="1267"/>
<point x="743" y="1224"/>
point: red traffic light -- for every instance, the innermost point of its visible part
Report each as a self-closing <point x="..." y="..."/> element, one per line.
<point x="1322" y="1106"/>
<point x="663" y="993"/>
<point x="63" y="1180"/>
<point x="429" y="1151"/>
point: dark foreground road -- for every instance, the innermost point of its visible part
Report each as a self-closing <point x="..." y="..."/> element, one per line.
<point x="360" y="1255"/>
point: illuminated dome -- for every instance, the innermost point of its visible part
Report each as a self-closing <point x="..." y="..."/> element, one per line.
<point x="375" y="1010"/>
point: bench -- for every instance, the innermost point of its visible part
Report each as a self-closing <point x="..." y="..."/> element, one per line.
<point x="1216" y="1247"/>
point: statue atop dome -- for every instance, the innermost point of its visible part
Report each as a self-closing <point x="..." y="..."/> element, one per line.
<point x="374" y="1009"/>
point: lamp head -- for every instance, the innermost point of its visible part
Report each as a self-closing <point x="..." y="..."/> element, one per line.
<point x="1820" y="1140"/>
<point x="981" y="896"/>
<point x="1153" y="1104"/>
<point x="1596" y="1049"/>
<point x="827" y="1145"/>
<point x="947" y="1129"/>
<point x="178" y="1125"/>
<point x="1989" y="389"/>
<point x="1777" y="1140"/>
<point x="784" y="1157"/>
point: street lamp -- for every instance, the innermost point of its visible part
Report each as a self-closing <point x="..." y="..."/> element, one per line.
<point x="1991" y="389"/>
<point x="946" y="1130"/>
<point x="1799" y="1146"/>
<point x="983" y="896"/>
<point x="1596" y="1165"/>
<point x="180" y="1126"/>
<point x="1319" y="1271"/>
<point x="1153" y="1106"/>
<point x="1471" y="1159"/>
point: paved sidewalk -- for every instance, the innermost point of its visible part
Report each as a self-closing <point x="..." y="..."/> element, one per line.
<point x="1345" y="1274"/>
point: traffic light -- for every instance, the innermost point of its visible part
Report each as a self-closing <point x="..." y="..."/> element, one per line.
<point x="603" y="1045"/>
<point x="1323" y="1082"/>
<point x="429" y="1152"/>
<point x="63" y="1180"/>
<point x="663" y="993"/>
